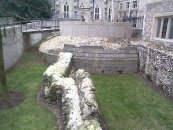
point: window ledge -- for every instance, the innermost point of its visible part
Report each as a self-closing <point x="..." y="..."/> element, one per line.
<point x="164" y="40"/>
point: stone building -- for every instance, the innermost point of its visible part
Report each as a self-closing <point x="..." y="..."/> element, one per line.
<point x="102" y="10"/>
<point x="158" y="22"/>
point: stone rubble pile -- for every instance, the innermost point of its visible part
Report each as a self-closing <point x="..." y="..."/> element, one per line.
<point x="77" y="93"/>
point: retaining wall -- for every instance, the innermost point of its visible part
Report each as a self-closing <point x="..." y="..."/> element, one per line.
<point x="15" y="42"/>
<point x="96" y="29"/>
<point x="96" y="59"/>
<point x="158" y="66"/>
<point x="13" y="45"/>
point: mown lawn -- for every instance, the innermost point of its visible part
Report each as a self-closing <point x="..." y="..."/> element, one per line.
<point x="26" y="78"/>
<point x="127" y="103"/>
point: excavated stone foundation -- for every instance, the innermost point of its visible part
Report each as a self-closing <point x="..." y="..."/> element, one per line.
<point x="76" y="92"/>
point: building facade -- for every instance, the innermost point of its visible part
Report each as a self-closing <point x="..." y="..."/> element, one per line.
<point x="102" y="10"/>
<point x="158" y="21"/>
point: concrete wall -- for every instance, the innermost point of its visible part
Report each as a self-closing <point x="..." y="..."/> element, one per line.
<point x="158" y="66"/>
<point x="6" y="20"/>
<point x="15" y="42"/>
<point x="32" y="39"/>
<point x="96" y="29"/>
<point x="13" y="45"/>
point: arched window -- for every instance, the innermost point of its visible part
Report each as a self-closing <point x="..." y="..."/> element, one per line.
<point x="97" y="12"/>
<point x="109" y="13"/>
<point x="66" y="10"/>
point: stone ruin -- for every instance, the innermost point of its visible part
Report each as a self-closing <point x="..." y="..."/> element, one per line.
<point x="76" y="92"/>
<point x="153" y="60"/>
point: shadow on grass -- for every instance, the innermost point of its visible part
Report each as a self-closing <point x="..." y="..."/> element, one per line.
<point x="26" y="78"/>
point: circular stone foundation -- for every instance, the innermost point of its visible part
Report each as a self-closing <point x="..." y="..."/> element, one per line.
<point x="94" y="54"/>
<point x="57" y="43"/>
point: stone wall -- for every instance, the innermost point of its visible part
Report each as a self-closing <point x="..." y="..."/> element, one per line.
<point x="154" y="9"/>
<point x="75" y="91"/>
<point x="96" y="29"/>
<point x="158" y="66"/>
<point x="98" y="60"/>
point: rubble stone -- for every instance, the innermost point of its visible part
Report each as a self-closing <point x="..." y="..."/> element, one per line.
<point x="76" y="93"/>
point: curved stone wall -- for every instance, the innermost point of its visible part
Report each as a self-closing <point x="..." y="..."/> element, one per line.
<point x="96" y="59"/>
<point x="96" y="29"/>
<point x="104" y="61"/>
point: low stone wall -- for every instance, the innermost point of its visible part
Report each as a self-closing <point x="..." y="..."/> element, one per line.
<point x="96" y="29"/>
<point x="158" y="66"/>
<point x="95" y="59"/>
<point x="76" y="92"/>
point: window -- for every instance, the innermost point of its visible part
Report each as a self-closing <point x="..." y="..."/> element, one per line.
<point x="131" y="13"/>
<point x="109" y="13"/>
<point x="171" y="30"/>
<point x="82" y="5"/>
<point x="105" y="13"/>
<point x="121" y="5"/>
<point x="97" y="12"/>
<point x="135" y="4"/>
<point x="120" y="14"/>
<point x="125" y="14"/>
<point x="127" y="5"/>
<point x="66" y="10"/>
<point x="75" y="14"/>
<point x="164" y="28"/>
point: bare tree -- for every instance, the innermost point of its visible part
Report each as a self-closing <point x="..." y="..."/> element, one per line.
<point x="6" y="96"/>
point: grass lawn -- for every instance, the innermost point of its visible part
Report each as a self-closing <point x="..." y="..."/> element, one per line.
<point x="26" y="78"/>
<point x="127" y="103"/>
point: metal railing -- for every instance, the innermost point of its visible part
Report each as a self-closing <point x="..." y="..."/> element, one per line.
<point x="39" y="25"/>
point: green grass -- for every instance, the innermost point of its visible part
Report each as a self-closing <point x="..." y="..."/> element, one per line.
<point x="127" y="103"/>
<point x="26" y="78"/>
